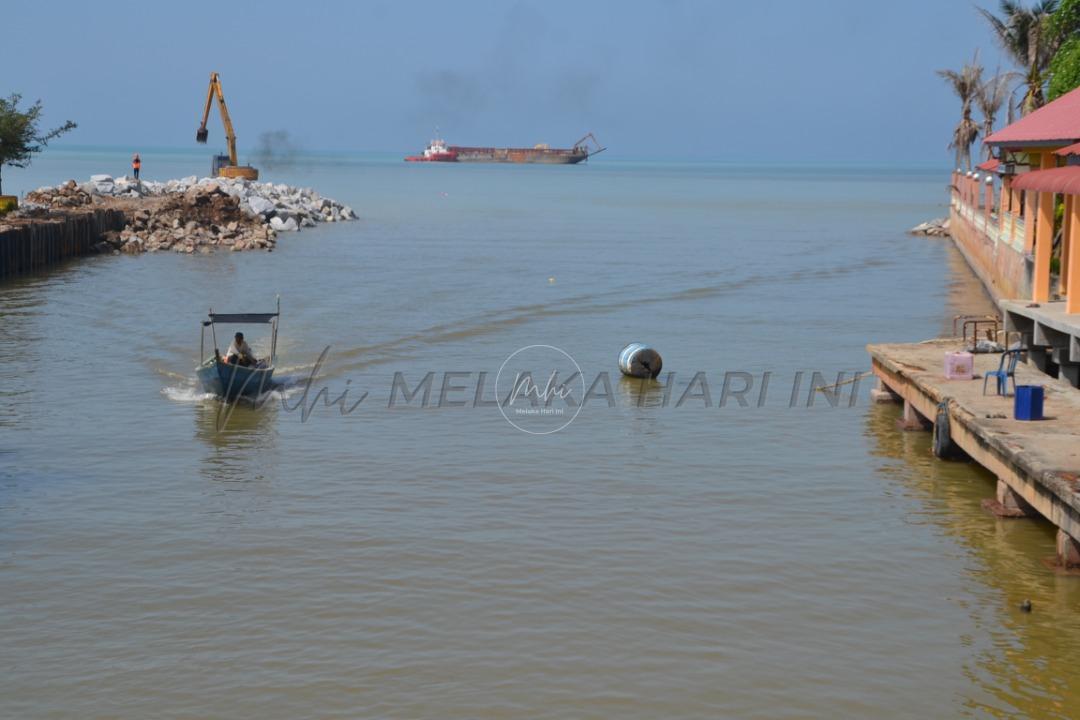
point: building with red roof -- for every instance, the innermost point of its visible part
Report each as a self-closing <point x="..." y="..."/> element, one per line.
<point x="1036" y="166"/>
<point x="1016" y="219"/>
<point x="1057" y="123"/>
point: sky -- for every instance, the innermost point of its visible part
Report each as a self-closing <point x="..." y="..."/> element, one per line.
<point x="785" y="82"/>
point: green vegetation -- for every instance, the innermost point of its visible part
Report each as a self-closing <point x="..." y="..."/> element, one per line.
<point x="1065" y="65"/>
<point x="1065" y="69"/>
<point x="20" y="138"/>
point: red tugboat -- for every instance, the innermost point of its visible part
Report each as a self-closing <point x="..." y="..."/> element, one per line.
<point x="436" y="151"/>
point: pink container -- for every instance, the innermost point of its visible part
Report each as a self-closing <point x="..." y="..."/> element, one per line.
<point x="959" y="365"/>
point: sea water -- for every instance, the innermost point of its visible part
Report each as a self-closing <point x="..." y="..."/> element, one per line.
<point x="671" y="551"/>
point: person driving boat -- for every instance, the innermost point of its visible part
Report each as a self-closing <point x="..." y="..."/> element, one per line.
<point x="239" y="352"/>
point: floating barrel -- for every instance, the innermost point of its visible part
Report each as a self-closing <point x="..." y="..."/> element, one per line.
<point x="640" y="361"/>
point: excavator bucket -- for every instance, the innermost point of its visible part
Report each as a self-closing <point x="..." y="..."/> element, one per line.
<point x="201" y="135"/>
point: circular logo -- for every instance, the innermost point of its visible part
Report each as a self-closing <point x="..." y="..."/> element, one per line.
<point x="536" y="389"/>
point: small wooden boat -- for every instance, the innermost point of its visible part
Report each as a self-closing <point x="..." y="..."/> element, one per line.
<point x="232" y="380"/>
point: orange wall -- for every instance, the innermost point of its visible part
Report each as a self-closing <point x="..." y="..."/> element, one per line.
<point x="1001" y="268"/>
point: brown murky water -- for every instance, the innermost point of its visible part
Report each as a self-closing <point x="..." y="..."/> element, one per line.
<point x="645" y="561"/>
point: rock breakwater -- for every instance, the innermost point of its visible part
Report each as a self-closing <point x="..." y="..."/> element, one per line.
<point x="938" y="227"/>
<point x="190" y="214"/>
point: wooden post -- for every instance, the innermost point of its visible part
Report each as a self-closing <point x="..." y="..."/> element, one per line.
<point x="1044" y="238"/>
<point x="1008" y="503"/>
<point x="1005" y="208"/>
<point x="1072" y="305"/>
<point x="1068" y="550"/>
<point x="1044" y="241"/>
<point x="1066" y="228"/>
<point x="1016" y="211"/>
<point x="1029" y="219"/>
<point x="911" y="419"/>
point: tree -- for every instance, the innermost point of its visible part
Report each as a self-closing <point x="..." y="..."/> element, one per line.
<point x="20" y="138"/>
<point x="1025" y="35"/>
<point x="1065" y="65"/>
<point x="991" y="96"/>
<point x="966" y="83"/>
<point x="1065" y="69"/>
<point x="1065" y="21"/>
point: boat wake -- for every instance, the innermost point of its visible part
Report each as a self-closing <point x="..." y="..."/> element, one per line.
<point x="189" y="392"/>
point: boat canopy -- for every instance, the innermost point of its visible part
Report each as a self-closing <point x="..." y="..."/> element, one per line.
<point x="241" y="318"/>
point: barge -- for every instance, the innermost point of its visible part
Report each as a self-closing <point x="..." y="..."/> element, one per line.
<point x="583" y="149"/>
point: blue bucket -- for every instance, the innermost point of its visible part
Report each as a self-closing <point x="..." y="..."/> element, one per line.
<point x="1028" y="404"/>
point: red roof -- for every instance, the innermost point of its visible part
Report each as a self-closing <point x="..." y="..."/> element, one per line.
<point x="1064" y="180"/>
<point x="1058" y="121"/>
<point x="991" y="165"/>
<point x="1069" y="150"/>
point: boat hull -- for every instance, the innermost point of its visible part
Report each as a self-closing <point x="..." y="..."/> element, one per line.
<point x="437" y="157"/>
<point x="232" y="381"/>
<point x="543" y="156"/>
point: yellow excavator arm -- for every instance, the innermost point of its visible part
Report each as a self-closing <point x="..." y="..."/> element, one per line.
<point x="230" y="135"/>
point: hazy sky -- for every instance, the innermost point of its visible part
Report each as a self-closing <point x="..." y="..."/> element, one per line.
<point x="790" y="81"/>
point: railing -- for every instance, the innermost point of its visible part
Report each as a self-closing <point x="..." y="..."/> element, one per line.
<point x="1018" y="233"/>
<point x="1011" y="231"/>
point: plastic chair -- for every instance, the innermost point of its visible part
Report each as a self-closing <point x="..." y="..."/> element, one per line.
<point x="1006" y="369"/>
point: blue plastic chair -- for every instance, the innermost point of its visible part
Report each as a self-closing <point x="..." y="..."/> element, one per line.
<point x="1006" y="369"/>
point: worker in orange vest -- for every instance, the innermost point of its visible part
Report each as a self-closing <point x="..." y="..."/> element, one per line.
<point x="136" y="164"/>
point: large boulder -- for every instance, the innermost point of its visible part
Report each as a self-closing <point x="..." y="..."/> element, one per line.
<point x="125" y="185"/>
<point x="104" y="184"/>
<point x="280" y="225"/>
<point x="203" y="193"/>
<point x="259" y="205"/>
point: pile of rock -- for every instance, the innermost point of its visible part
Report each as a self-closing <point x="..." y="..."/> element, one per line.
<point x="303" y="206"/>
<point x="935" y="228"/>
<point x="192" y="215"/>
<point x="194" y="221"/>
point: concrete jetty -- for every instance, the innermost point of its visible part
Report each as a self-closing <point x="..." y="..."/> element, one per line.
<point x="1004" y="220"/>
<point x="1037" y="463"/>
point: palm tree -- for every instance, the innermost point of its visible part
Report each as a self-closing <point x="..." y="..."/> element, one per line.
<point x="1025" y="35"/>
<point x="991" y="96"/>
<point x="966" y="83"/>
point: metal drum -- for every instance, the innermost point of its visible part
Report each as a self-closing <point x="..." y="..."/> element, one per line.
<point x="640" y="361"/>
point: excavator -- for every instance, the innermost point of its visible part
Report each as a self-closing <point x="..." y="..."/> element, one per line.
<point x="223" y="165"/>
